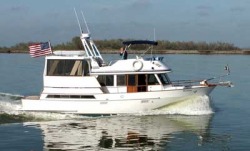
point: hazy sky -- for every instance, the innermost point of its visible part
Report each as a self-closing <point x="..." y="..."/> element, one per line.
<point x="174" y="20"/>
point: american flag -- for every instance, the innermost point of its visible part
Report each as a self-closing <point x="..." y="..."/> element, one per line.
<point x="40" y="49"/>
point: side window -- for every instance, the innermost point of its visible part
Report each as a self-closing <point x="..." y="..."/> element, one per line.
<point x="106" y="80"/>
<point x="142" y="79"/>
<point x="109" y="80"/>
<point x="85" y="67"/>
<point x="101" y="80"/>
<point x="152" y="80"/>
<point x="121" y="80"/>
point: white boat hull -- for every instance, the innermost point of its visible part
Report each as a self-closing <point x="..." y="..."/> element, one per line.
<point x="120" y="103"/>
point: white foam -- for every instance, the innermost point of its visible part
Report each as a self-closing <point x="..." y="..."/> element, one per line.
<point x="14" y="109"/>
<point x="49" y="116"/>
<point x="9" y="97"/>
<point x="11" y="104"/>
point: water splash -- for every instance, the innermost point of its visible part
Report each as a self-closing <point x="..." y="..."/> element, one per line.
<point x="8" y="96"/>
<point x="10" y="105"/>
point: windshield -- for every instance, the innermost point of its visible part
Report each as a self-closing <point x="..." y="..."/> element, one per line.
<point x="56" y="67"/>
<point x="164" y="78"/>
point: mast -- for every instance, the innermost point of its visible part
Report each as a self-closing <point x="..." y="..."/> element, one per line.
<point x="85" y="22"/>
<point x="88" y="44"/>
<point x="78" y="21"/>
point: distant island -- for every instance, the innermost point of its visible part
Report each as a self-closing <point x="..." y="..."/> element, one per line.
<point x="163" y="47"/>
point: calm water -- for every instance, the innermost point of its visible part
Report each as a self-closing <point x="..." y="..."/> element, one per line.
<point x="227" y="128"/>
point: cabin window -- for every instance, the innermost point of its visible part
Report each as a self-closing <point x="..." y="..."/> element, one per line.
<point x="106" y="80"/>
<point x="142" y="79"/>
<point x="142" y="83"/>
<point x="131" y="80"/>
<point x="121" y="81"/>
<point x="72" y="96"/>
<point x="67" y="67"/>
<point x="164" y="78"/>
<point x="136" y="83"/>
<point x="152" y="80"/>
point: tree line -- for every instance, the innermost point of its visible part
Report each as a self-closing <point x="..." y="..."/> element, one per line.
<point x="116" y="44"/>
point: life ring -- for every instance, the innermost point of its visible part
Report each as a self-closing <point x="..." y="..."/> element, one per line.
<point x="137" y="65"/>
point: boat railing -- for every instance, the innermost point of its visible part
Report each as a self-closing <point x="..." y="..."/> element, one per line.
<point x="154" y="58"/>
<point x="189" y="83"/>
<point x="185" y="82"/>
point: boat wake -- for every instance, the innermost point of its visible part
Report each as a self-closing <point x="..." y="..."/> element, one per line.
<point x="10" y="105"/>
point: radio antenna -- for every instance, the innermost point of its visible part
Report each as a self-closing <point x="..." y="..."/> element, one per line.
<point x="78" y="21"/>
<point x="85" y="22"/>
<point x="154" y="35"/>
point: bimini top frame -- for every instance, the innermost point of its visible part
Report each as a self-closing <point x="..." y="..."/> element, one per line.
<point x="141" y="42"/>
<point x="134" y="42"/>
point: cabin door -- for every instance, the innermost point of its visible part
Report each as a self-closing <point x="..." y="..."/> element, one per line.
<point x="136" y="83"/>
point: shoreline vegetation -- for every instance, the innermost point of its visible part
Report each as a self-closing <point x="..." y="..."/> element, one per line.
<point x="164" y="47"/>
